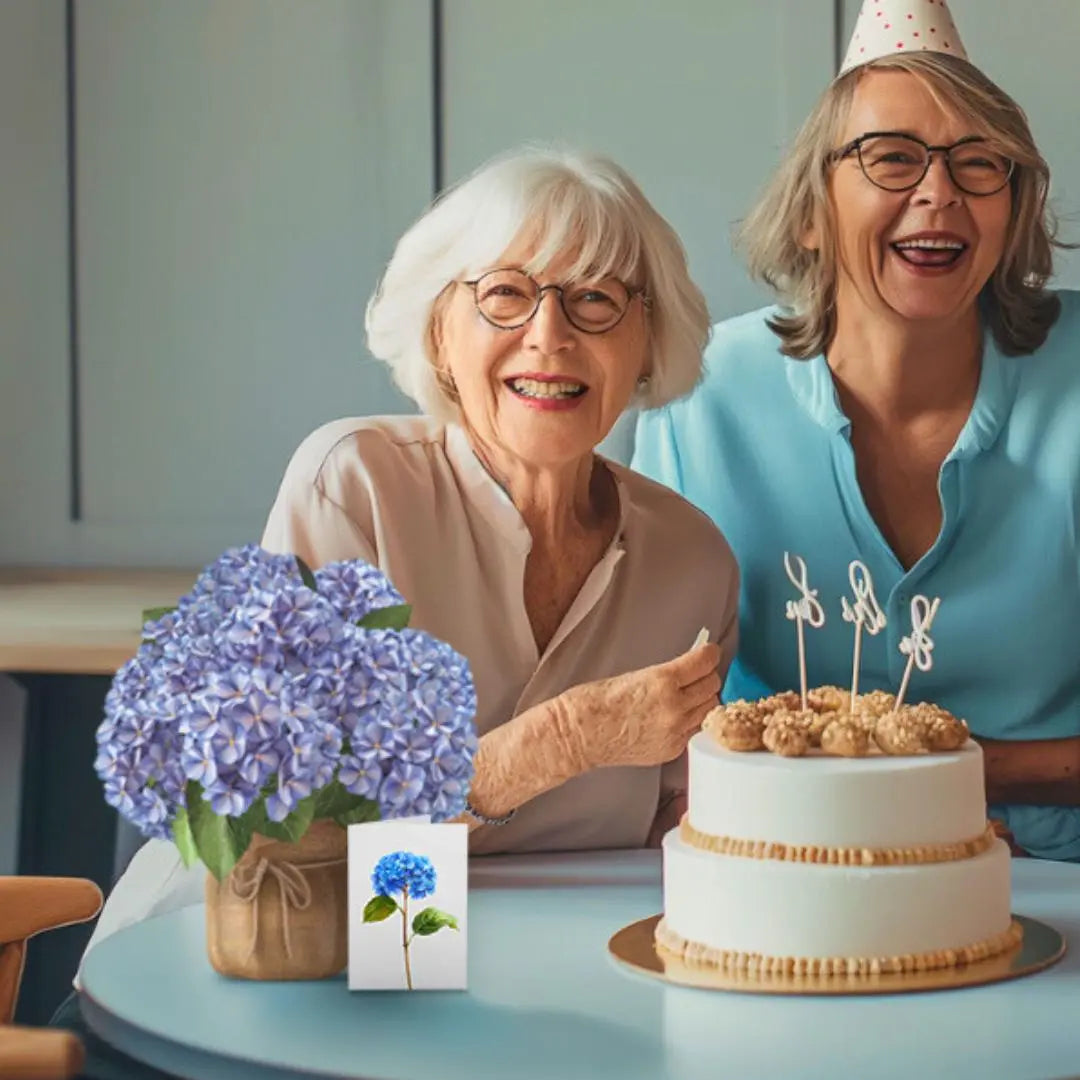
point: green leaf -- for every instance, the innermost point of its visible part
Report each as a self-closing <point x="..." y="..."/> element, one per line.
<point x="219" y="840"/>
<point x="254" y="818"/>
<point x="431" y="920"/>
<point x="306" y="575"/>
<point x="394" y="617"/>
<point x="240" y="833"/>
<point x="333" y="799"/>
<point x="363" y="810"/>
<point x="379" y="908"/>
<point x="294" y="826"/>
<point x="152" y="614"/>
<point x="341" y="806"/>
<point x="184" y="839"/>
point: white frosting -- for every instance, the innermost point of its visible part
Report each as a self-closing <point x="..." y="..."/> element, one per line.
<point x="798" y="909"/>
<point x="878" y="801"/>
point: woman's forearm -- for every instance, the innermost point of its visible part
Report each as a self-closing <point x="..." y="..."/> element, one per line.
<point x="1033" y="772"/>
<point x="528" y="755"/>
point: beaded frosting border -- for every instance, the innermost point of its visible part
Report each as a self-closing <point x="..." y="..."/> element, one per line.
<point x="837" y="856"/>
<point x="750" y="963"/>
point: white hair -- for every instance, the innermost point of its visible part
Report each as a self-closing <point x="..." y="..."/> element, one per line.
<point x="561" y="203"/>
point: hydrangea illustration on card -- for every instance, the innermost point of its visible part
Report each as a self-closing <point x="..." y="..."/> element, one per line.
<point x="405" y="875"/>
<point x="408" y="905"/>
<point x="272" y="708"/>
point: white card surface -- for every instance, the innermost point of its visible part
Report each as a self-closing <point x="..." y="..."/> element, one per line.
<point x="419" y="857"/>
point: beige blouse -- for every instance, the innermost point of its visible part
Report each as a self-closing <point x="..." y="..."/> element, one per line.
<point x="408" y="494"/>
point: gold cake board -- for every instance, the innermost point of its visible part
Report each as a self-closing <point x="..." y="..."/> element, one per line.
<point x="634" y="947"/>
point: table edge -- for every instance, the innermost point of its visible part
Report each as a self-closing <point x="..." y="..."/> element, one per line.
<point x="182" y="1059"/>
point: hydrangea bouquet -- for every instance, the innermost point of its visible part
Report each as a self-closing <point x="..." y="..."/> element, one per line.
<point x="273" y="696"/>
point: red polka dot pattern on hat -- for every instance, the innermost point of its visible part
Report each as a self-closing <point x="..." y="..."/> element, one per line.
<point x="876" y="33"/>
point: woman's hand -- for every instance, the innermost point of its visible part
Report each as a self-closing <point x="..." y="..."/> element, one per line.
<point x="1002" y="831"/>
<point x="644" y="717"/>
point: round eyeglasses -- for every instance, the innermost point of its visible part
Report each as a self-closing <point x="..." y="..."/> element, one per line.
<point x="509" y="298"/>
<point x="898" y="162"/>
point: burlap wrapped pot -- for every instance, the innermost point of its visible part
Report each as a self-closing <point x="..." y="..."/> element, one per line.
<point x="282" y="912"/>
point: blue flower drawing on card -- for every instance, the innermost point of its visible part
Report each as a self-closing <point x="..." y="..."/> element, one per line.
<point x="408" y="876"/>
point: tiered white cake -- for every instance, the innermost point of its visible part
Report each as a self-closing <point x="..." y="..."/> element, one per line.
<point x="829" y="865"/>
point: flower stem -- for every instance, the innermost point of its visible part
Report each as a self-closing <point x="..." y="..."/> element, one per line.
<point x="405" y="932"/>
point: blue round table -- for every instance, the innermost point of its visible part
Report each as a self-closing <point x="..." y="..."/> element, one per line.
<point x="546" y="1002"/>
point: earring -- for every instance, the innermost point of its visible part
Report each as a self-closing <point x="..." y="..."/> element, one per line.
<point x="643" y="382"/>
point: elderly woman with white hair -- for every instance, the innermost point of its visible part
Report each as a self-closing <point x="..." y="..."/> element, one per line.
<point x="524" y="312"/>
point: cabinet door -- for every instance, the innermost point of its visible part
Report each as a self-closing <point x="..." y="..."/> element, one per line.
<point x="243" y="168"/>
<point x="695" y="98"/>
<point x="1029" y="50"/>
<point x="33" y="278"/>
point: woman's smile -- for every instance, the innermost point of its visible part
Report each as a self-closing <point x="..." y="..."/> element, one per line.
<point x="931" y="253"/>
<point x="548" y="393"/>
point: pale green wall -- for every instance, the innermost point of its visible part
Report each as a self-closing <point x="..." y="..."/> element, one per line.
<point x="33" y="285"/>
<point x="244" y="169"/>
<point x="246" y="165"/>
<point x="696" y="98"/>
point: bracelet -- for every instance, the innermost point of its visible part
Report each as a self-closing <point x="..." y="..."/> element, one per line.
<point x="484" y="819"/>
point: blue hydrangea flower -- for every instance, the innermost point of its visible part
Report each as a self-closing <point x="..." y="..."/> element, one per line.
<point x="402" y="786"/>
<point x="409" y="693"/>
<point x="230" y="795"/>
<point x="360" y="777"/>
<point x="257" y="687"/>
<point x="355" y="589"/>
<point x="401" y="870"/>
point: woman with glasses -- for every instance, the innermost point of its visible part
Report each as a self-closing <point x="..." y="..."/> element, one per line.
<point x="912" y="402"/>
<point x="524" y="312"/>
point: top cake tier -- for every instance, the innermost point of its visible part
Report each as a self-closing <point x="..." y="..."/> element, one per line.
<point x="875" y="802"/>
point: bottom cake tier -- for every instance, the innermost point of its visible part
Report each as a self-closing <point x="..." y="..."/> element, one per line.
<point x="804" y="918"/>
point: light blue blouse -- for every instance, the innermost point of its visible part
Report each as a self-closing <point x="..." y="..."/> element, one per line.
<point x="763" y="447"/>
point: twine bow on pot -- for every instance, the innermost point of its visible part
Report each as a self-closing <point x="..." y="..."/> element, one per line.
<point x="245" y="883"/>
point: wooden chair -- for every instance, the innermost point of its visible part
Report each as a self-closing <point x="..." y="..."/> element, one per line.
<point x="29" y="905"/>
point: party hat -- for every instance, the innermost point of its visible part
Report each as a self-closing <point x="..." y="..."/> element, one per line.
<point x="885" y="27"/>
